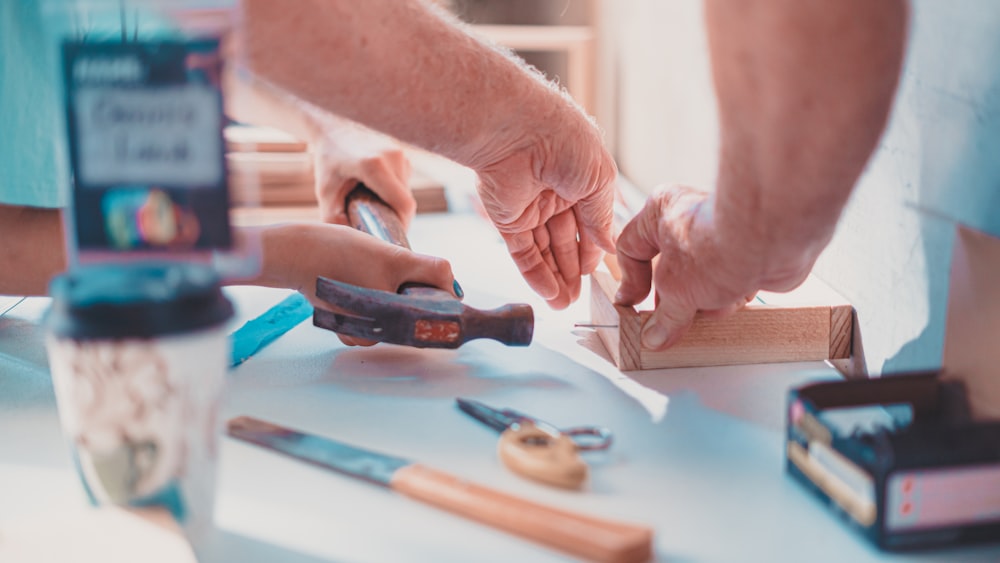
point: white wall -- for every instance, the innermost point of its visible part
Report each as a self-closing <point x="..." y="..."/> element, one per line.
<point x="655" y="96"/>
<point x="939" y="158"/>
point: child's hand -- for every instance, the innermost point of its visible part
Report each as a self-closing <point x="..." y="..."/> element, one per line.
<point x="295" y="254"/>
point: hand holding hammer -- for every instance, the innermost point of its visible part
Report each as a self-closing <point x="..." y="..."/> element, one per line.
<point x="417" y="315"/>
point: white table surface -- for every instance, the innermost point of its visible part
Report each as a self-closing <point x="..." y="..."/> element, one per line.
<point x="698" y="453"/>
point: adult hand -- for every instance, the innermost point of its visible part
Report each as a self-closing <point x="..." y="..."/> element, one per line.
<point x="673" y="244"/>
<point x="545" y="178"/>
<point x="346" y="155"/>
<point x="295" y="254"/>
<point x="551" y="199"/>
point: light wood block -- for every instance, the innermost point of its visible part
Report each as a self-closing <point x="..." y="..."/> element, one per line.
<point x="248" y="191"/>
<point x="810" y="323"/>
<point x="252" y="138"/>
<point x="269" y="167"/>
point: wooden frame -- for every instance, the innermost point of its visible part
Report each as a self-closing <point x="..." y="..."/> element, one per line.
<point x="810" y="323"/>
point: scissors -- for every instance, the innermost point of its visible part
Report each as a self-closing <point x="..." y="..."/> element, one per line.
<point x="538" y="450"/>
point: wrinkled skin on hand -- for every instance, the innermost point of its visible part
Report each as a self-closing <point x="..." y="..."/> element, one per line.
<point x="551" y="199"/>
<point x="673" y="245"/>
<point x="295" y="254"/>
<point x="341" y="160"/>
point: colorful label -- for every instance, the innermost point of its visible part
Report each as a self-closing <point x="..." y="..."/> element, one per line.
<point x="145" y="133"/>
<point x="939" y="498"/>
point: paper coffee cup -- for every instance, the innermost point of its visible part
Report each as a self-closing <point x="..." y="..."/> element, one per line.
<point x="139" y="356"/>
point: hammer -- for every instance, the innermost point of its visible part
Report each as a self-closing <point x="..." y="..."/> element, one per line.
<point x="417" y="315"/>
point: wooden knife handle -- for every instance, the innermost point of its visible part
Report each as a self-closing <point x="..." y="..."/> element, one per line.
<point x="584" y="536"/>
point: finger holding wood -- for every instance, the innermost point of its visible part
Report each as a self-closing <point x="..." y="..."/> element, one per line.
<point x="692" y="270"/>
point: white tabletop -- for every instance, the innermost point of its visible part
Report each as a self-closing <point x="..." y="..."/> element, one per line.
<point x="698" y="453"/>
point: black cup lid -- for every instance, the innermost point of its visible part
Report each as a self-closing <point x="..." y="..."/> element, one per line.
<point x="136" y="301"/>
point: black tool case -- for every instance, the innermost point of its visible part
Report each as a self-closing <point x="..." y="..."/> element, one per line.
<point x="898" y="457"/>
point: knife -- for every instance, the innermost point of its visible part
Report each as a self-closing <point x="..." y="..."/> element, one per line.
<point x="580" y="535"/>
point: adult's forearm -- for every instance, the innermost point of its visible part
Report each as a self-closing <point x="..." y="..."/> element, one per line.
<point x="391" y="65"/>
<point x="804" y="91"/>
<point x="251" y="101"/>
<point x="32" y="251"/>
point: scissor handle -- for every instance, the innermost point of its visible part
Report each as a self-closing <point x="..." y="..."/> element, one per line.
<point x="542" y="455"/>
<point x="589" y="438"/>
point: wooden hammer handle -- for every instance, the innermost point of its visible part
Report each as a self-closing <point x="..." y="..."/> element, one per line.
<point x="368" y="213"/>
<point x="584" y="536"/>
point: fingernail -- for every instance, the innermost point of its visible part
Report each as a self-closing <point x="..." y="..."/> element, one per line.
<point x="619" y="298"/>
<point x="457" y="288"/>
<point x="654" y="335"/>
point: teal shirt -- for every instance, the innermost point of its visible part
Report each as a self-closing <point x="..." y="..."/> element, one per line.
<point x="34" y="168"/>
<point x="34" y="154"/>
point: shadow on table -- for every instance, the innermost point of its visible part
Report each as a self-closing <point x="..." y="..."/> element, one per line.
<point x="754" y="393"/>
<point x="472" y="370"/>
<point x="228" y="546"/>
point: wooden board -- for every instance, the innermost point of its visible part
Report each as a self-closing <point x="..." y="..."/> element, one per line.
<point x="810" y="323"/>
<point x="252" y="138"/>
<point x="270" y="167"/>
<point x="271" y="189"/>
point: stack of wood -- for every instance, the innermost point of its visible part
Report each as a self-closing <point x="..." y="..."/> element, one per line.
<point x="269" y="167"/>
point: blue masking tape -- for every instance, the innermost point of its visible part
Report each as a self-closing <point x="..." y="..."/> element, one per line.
<point x="258" y="333"/>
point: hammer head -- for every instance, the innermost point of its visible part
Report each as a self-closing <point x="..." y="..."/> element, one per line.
<point x="422" y="317"/>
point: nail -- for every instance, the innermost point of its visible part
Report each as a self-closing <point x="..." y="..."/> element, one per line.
<point x="458" y="289"/>
<point x="654" y="335"/>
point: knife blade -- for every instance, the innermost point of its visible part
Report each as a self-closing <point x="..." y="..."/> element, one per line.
<point x="578" y="534"/>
